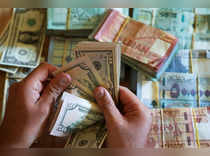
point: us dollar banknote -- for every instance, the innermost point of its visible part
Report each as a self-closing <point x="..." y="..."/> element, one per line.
<point x="74" y="114"/>
<point x="3" y="47"/>
<point x="91" y="137"/>
<point x="25" y="38"/>
<point x="84" y="76"/>
<point x="106" y="59"/>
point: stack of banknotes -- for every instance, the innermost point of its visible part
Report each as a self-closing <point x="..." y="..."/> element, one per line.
<point x="180" y="128"/>
<point x="144" y="47"/>
<point x="95" y="64"/>
<point x="75" y="21"/>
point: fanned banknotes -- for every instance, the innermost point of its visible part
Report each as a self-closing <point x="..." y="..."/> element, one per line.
<point x="87" y="73"/>
<point x="25" y="38"/>
<point x="143" y="47"/>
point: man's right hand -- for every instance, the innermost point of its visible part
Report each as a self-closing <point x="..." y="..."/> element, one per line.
<point x="130" y="128"/>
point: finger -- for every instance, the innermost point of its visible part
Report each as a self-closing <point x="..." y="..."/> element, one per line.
<point x="56" y="86"/>
<point x="41" y="73"/>
<point x="130" y="100"/>
<point x="107" y="105"/>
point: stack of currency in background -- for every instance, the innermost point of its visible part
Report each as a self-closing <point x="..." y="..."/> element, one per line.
<point x="179" y="100"/>
<point x="95" y="64"/>
<point x="186" y="81"/>
<point x="144" y="47"/>
<point x="75" y="21"/>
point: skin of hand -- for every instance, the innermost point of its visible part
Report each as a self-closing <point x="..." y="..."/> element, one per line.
<point x="130" y="128"/>
<point x="29" y="105"/>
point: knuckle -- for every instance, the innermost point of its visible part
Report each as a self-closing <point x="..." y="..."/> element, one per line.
<point x="54" y="90"/>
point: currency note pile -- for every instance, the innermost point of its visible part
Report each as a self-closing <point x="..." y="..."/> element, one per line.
<point x="185" y="83"/>
<point x="75" y="21"/>
<point x="21" y="44"/>
<point x="95" y="64"/>
<point x="144" y="47"/>
<point x="180" y="128"/>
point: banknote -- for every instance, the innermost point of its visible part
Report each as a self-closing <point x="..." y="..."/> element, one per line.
<point x="91" y="137"/>
<point x="8" y="82"/>
<point x="200" y="61"/>
<point x="155" y="136"/>
<point x="174" y="20"/>
<point x="3" y="47"/>
<point x="25" y="38"/>
<point x="85" y="77"/>
<point x="181" y="62"/>
<point x="204" y="90"/>
<point x="21" y="73"/>
<point x="61" y="50"/>
<point x="178" y="130"/>
<point x="202" y="11"/>
<point x="79" y="18"/>
<point x="179" y="88"/>
<point x="202" y="24"/>
<point x="147" y="91"/>
<point x="202" y="125"/>
<point x="185" y="40"/>
<point x="74" y="114"/>
<point x="201" y="41"/>
<point x="106" y="59"/>
<point x="144" y="15"/>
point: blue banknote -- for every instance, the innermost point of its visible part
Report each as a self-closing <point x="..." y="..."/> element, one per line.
<point x="178" y="89"/>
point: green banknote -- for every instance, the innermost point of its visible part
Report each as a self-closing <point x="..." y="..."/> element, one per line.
<point x="174" y="20"/>
<point x="78" y="18"/>
<point x="144" y="15"/>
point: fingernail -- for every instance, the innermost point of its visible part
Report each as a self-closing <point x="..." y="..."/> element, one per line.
<point x="99" y="93"/>
<point x="66" y="78"/>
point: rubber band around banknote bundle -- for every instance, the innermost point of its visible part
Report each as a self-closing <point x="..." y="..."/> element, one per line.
<point x="121" y="29"/>
<point x="68" y="19"/>
<point x="196" y="129"/>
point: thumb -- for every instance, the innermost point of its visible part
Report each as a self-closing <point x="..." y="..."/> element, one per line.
<point x="54" y="89"/>
<point x="107" y="105"/>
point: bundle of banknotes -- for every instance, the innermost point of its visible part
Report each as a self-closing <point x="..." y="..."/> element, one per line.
<point x="95" y="64"/>
<point x="144" y="47"/>
<point x="75" y="21"/>
<point x="180" y="128"/>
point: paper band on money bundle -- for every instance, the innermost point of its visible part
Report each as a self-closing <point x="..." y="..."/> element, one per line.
<point x="144" y="47"/>
<point x="96" y="64"/>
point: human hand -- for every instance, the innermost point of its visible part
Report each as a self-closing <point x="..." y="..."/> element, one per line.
<point x="130" y="128"/>
<point x="28" y="106"/>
